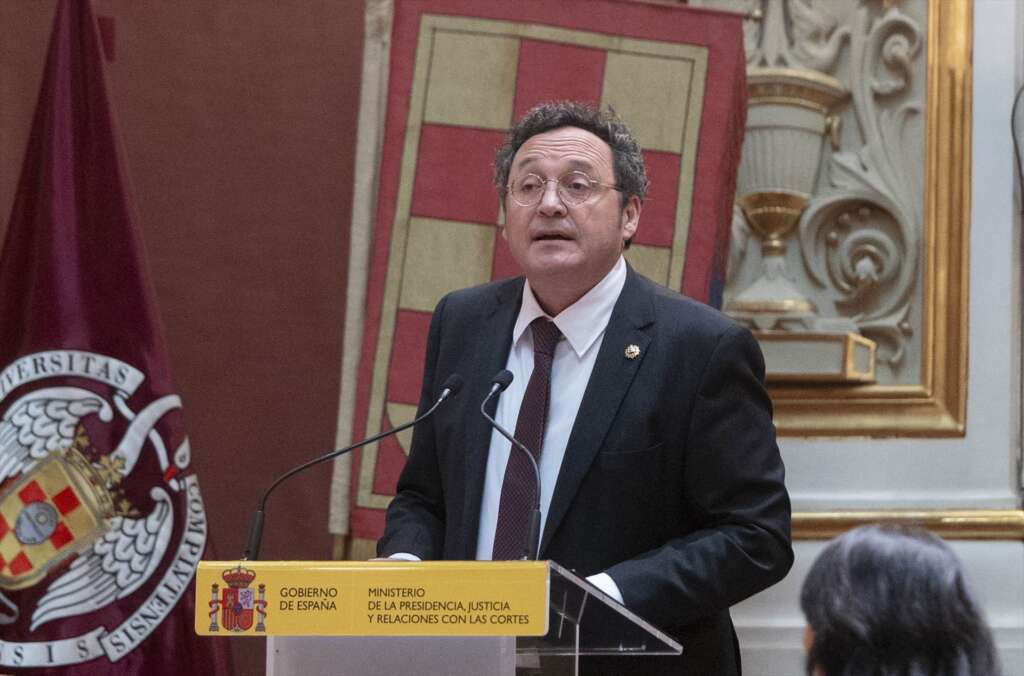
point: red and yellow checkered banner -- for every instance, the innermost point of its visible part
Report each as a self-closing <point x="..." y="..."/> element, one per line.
<point x="460" y="73"/>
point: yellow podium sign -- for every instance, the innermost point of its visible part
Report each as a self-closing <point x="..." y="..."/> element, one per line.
<point x="377" y="598"/>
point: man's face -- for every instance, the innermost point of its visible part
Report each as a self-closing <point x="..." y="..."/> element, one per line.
<point x="553" y="241"/>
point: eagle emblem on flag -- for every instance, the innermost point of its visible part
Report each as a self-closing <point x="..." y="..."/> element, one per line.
<point x="68" y="519"/>
<point x="61" y="505"/>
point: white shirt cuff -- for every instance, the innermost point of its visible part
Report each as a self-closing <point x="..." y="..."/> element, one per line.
<point x="404" y="556"/>
<point x="605" y="583"/>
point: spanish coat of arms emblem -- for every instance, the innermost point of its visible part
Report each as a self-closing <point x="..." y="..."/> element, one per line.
<point x="238" y="603"/>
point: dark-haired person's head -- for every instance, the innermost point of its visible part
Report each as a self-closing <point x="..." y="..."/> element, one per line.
<point x="889" y="601"/>
<point x="571" y="179"/>
<point x="630" y="173"/>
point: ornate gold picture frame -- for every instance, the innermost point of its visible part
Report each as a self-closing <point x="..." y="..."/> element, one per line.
<point x="937" y="406"/>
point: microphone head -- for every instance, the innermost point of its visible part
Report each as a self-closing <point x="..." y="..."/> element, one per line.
<point x="502" y="380"/>
<point x="452" y="385"/>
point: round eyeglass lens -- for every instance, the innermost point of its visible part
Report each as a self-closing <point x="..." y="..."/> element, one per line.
<point x="574" y="188"/>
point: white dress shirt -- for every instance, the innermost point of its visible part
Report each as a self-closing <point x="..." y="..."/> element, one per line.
<point x="582" y="325"/>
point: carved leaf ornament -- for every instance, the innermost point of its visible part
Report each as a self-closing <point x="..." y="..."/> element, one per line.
<point x="860" y="237"/>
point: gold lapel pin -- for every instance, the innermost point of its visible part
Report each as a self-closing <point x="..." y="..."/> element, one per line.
<point x="632" y="351"/>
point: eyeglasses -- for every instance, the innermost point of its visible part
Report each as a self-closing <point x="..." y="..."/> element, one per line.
<point x="574" y="188"/>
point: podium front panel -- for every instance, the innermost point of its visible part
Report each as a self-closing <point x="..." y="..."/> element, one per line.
<point x="377" y="598"/>
<point x="438" y="612"/>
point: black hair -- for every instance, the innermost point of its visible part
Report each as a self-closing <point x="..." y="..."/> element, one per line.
<point x="627" y="158"/>
<point x="892" y="601"/>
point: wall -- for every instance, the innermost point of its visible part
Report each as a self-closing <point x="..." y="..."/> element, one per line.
<point x="980" y="470"/>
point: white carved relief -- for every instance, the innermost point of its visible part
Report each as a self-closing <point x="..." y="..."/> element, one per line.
<point x="856" y="251"/>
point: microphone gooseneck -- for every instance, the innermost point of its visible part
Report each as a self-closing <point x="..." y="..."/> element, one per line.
<point x="500" y="383"/>
<point x="449" y="389"/>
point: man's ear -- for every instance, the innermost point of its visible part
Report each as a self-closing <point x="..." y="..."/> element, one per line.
<point x="504" y="232"/>
<point x="630" y="218"/>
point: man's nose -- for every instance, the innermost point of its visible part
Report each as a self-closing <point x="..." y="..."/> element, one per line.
<point x="550" y="201"/>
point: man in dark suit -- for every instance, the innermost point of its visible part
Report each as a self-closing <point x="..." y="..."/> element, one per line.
<point x="661" y="478"/>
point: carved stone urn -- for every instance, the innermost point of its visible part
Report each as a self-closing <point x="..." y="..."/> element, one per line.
<point x="789" y="118"/>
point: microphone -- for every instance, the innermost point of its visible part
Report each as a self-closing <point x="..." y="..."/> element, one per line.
<point x="500" y="383"/>
<point x="449" y="389"/>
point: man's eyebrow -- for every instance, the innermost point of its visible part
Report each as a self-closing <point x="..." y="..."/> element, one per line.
<point x="580" y="164"/>
<point x="573" y="164"/>
<point x="523" y="161"/>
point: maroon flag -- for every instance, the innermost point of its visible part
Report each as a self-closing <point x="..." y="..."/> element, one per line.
<point x="101" y="518"/>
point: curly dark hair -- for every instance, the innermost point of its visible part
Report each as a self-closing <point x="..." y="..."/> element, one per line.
<point x="627" y="158"/>
<point x="890" y="601"/>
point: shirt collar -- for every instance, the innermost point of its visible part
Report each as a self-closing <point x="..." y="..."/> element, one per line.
<point x="585" y="320"/>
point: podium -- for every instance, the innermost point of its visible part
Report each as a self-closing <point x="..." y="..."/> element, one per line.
<point x="431" y="617"/>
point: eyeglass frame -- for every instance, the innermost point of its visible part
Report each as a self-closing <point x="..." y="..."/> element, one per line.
<point x="558" y="188"/>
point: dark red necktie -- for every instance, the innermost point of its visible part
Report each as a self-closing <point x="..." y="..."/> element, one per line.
<point x="518" y="490"/>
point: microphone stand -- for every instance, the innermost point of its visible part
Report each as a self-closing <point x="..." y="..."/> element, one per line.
<point x="450" y="388"/>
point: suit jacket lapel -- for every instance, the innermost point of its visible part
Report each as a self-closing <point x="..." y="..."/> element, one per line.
<point x="490" y="356"/>
<point x="630" y="324"/>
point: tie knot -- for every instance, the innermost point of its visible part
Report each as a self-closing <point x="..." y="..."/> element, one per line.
<point x="545" y="335"/>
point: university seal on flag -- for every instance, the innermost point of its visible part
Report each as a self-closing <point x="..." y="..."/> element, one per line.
<point x="95" y="508"/>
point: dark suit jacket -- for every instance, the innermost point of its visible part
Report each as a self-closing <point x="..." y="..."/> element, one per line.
<point x="671" y="482"/>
